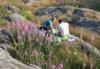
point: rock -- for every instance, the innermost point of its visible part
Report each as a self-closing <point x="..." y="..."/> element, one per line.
<point x="29" y="2"/>
<point x="15" y="16"/>
<point x="54" y="10"/>
<point x="12" y="9"/>
<point x="5" y="36"/>
<point x="7" y="62"/>
<point x="34" y="66"/>
<point x="84" y="12"/>
<point x="85" y="22"/>
<point x="45" y="11"/>
<point x="5" y="46"/>
<point x="89" y="49"/>
<point x="97" y="29"/>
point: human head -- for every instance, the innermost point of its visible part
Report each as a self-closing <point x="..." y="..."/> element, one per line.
<point x="53" y="18"/>
<point x="60" y="20"/>
<point x="63" y="20"/>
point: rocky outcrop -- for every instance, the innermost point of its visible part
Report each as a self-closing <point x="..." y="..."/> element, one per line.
<point x="85" y="22"/>
<point x="89" y="49"/>
<point x="82" y="17"/>
<point x="7" y="62"/>
<point x="86" y="18"/>
<point x="86" y="47"/>
<point x="12" y="9"/>
<point x="15" y="16"/>
<point x="29" y="2"/>
<point x="83" y="12"/>
<point x="5" y="36"/>
<point x="54" y="10"/>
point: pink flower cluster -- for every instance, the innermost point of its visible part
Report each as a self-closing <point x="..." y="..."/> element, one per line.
<point x="60" y="66"/>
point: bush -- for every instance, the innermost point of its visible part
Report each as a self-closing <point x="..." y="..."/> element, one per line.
<point x="28" y="15"/>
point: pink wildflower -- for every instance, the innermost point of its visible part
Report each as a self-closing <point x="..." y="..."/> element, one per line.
<point x="50" y="38"/>
<point x="13" y="25"/>
<point x="26" y="27"/>
<point x="61" y="66"/>
<point x="52" y="66"/>
<point x="17" y="24"/>
<point x="35" y="53"/>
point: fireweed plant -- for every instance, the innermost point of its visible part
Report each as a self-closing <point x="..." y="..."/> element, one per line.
<point x="33" y="47"/>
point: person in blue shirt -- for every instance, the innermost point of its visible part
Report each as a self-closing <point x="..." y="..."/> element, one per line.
<point x="48" y="24"/>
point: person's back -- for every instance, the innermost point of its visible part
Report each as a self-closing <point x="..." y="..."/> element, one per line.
<point x="47" y="24"/>
<point x="63" y="28"/>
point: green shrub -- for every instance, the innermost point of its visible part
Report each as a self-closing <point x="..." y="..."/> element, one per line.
<point x="28" y="15"/>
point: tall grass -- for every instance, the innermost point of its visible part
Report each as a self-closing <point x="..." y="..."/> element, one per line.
<point x="2" y="15"/>
<point x="33" y="47"/>
<point x="87" y="35"/>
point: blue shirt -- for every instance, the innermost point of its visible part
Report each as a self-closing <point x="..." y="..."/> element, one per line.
<point x="48" y="23"/>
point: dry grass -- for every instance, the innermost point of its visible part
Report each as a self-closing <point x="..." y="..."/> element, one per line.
<point x="87" y="35"/>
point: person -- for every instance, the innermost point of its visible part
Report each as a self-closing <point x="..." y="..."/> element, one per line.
<point x="63" y="28"/>
<point x="48" y="25"/>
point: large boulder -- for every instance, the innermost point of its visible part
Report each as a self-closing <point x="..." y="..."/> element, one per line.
<point x="86" y="18"/>
<point x="6" y="46"/>
<point x="97" y="29"/>
<point x="5" y="36"/>
<point x="15" y="16"/>
<point x="89" y="49"/>
<point x="12" y="9"/>
<point x="54" y="10"/>
<point x="85" y="12"/>
<point x="7" y="62"/>
<point x="29" y="2"/>
<point x="85" y="22"/>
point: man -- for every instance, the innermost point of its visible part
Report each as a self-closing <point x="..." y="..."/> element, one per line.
<point x="48" y="25"/>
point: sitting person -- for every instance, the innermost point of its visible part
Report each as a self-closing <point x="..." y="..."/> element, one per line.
<point x="63" y="29"/>
<point x="48" y="25"/>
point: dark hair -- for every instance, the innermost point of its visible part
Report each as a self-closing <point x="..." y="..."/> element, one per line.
<point x="52" y="18"/>
<point x="63" y="20"/>
<point x="60" y="20"/>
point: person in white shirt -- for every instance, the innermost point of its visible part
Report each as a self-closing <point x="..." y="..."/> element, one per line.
<point x="63" y="28"/>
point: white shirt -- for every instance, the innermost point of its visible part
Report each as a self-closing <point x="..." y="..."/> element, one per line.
<point x="63" y="28"/>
